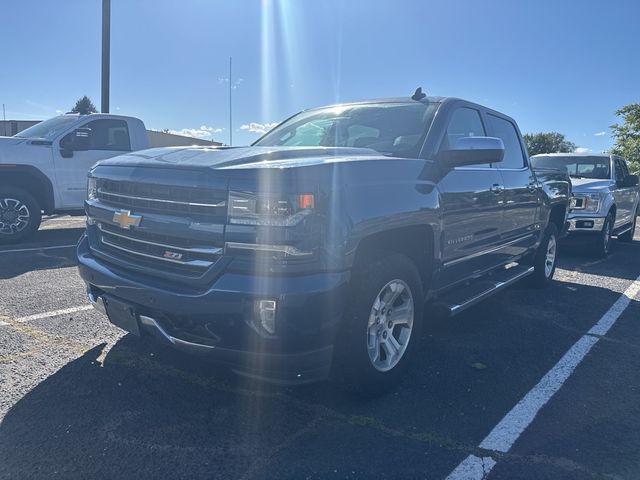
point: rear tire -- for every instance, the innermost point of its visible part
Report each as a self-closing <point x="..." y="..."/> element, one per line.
<point x="544" y="261"/>
<point x="20" y="214"/>
<point x="602" y="245"/>
<point x="382" y="324"/>
<point x="628" y="236"/>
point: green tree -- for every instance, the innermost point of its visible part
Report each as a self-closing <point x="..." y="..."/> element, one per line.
<point x="548" y="142"/>
<point x="84" y="106"/>
<point x="627" y="135"/>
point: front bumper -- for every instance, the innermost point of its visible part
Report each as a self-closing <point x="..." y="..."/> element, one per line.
<point x="220" y="323"/>
<point x="585" y="224"/>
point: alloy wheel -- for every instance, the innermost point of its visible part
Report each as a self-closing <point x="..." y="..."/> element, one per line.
<point x="390" y="325"/>
<point x="14" y="216"/>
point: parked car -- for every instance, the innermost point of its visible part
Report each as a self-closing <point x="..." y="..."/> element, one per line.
<point x="606" y="198"/>
<point x="44" y="168"/>
<point x="312" y="252"/>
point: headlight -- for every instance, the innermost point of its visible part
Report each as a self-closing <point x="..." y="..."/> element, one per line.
<point x="92" y="188"/>
<point x="586" y="202"/>
<point x="271" y="210"/>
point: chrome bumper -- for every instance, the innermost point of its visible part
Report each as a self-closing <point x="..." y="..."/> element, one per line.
<point x="585" y="224"/>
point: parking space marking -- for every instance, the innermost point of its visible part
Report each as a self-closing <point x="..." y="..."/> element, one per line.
<point x="472" y="467"/>
<point x="514" y="423"/>
<point x="35" y="249"/>
<point x="54" y="313"/>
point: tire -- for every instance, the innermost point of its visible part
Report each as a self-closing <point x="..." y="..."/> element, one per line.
<point x="372" y="354"/>
<point x="628" y="236"/>
<point x="602" y="245"/>
<point x="544" y="260"/>
<point x="20" y="215"/>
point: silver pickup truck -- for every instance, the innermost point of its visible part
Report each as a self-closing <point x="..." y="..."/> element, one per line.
<point x="605" y="196"/>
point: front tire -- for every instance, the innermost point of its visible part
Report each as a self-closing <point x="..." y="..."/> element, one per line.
<point x="382" y="324"/>
<point x="602" y="247"/>
<point x="20" y="215"/>
<point x="544" y="261"/>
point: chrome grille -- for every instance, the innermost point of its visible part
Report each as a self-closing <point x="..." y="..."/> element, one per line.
<point x="158" y="251"/>
<point x="166" y="199"/>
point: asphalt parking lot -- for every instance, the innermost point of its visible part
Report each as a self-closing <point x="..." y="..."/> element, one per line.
<point x="79" y="399"/>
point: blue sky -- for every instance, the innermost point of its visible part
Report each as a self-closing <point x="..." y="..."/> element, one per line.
<point x="553" y="65"/>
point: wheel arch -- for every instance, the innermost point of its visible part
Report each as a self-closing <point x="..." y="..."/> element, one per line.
<point x="33" y="181"/>
<point x="414" y="241"/>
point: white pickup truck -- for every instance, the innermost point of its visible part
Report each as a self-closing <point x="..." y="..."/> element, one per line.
<point x="43" y="169"/>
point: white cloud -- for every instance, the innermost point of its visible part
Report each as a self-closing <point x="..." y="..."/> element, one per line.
<point x="202" y="132"/>
<point x="258" y="127"/>
<point x="600" y="134"/>
<point x="582" y="150"/>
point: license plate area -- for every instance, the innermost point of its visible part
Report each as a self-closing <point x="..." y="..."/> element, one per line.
<point x="122" y="315"/>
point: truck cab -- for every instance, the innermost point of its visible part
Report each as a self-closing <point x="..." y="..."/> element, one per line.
<point x="43" y="169"/>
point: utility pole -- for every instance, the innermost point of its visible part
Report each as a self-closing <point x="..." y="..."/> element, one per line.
<point x="4" y="120"/>
<point x="230" y="106"/>
<point x="106" y="53"/>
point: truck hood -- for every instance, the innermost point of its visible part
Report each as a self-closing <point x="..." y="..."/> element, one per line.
<point x="10" y="147"/>
<point x="241" y="157"/>
<point x="590" y="185"/>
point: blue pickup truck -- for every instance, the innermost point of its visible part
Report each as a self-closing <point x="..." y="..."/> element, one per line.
<point x="311" y="254"/>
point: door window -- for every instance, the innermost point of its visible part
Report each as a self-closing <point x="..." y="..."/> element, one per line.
<point x="619" y="170"/>
<point x="465" y="122"/>
<point x="505" y="130"/>
<point x="109" y="134"/>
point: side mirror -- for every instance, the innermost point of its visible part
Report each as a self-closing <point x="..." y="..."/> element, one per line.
<point x="473" y="151"/>
<point x="630" y="181"/>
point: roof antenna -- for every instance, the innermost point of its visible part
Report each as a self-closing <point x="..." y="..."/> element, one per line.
<point x="418" y="95"/>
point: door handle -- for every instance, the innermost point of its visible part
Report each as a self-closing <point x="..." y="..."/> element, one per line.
<point x="497" y="188"/>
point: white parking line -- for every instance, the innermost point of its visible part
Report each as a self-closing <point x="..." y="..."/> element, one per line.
<point x="34" y="249"/>
<point x="54" y="313"/>
<point x="505" y="433"/>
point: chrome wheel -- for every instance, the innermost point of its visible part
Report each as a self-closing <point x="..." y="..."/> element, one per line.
<point x="14" y="216"/>
<point x="390" y="325"/>
<point x="550" y="257"/>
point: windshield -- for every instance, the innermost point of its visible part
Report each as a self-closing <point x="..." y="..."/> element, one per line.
<point x="577" y="167"/>
<point x="49" y="128"/>
<point x="396" y="129"/>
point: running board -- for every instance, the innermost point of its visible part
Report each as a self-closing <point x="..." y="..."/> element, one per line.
<point x="462" y="298"/>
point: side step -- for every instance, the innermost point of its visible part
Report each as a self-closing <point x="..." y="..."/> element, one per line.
<point x="466" y="296"/>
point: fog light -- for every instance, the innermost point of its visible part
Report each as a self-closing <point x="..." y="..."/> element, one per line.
<point x="267" y="315"/>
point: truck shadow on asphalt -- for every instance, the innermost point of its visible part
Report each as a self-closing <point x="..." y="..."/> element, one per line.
<point x="622" y="262"/>
<point x="149" y="412"/>
<point x="16" y="260"/>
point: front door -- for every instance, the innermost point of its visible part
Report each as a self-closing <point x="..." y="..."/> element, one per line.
<point x="471" y="201"/>
<point x="520" y="231"/>
<point x="109" y="137"/>
<point x="625" y="196"/>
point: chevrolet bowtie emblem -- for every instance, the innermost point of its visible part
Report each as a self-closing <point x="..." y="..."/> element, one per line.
<point x="126" y="220"/>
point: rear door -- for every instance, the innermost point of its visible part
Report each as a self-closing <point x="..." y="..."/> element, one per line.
<point x="109" y="137"/>
<point x="520" y="187"/>
<point x="471" y="204"/>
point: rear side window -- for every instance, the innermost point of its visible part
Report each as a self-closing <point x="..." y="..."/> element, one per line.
<point x="109" y="134"/>
<point x="505" y="130"/>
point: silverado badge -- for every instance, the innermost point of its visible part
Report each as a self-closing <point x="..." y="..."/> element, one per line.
<point x="172" y="255"/>
<point x="126" y="220"/>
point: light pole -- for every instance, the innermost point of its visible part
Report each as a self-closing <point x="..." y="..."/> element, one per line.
<point x="106" y="40"/>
